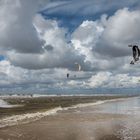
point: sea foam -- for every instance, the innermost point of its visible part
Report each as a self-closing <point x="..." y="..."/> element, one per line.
<point x="26" y="118"/>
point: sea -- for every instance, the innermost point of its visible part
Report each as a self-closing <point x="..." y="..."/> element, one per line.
<point x="128" y="124"/>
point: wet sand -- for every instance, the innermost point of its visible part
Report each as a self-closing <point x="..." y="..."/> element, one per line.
<point x="81" y="123"/>
<point x="66" y="127"/>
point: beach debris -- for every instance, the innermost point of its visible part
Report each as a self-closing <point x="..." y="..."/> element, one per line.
<point x="136" y="53"/>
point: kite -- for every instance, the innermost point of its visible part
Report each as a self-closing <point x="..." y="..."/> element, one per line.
<point x="136" y="53"/>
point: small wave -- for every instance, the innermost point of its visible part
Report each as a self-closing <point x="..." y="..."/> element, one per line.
<point x="84" y="105"/>
<point x="4" y="104"/>
<point x="26" y="118"/>
<point x="94" y="103"/>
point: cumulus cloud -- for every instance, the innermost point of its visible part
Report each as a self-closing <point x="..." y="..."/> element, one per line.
<point x="100" y="41"/>
<point x="15" y="78"/>
<point x="108" y="80"/>
<point x="85" y="37"/>
<point x="121" y="29"/>
<point x="38" y="52"/>
<point x="56" y="52"/>
<point x="91" y="43"/>
<point x="17" y="30"/>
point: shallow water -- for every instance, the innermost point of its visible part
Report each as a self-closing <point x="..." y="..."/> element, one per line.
<point x="125" y="127"/>
<point x="109" y="120"/>
<point x="130" y="106"/>
<point x="130" y="126"/>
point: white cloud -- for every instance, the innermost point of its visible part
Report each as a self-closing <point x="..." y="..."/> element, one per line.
<point x="17" y="30"/>
<point x="121" y="29"/>
<point x="56" y="52"/>
<point x="110" y="80"/>
<point x="99" y="79"/>
<point x="29" y="41"/>
<point x="16" y="79"/>
<point x="85" y="37"/>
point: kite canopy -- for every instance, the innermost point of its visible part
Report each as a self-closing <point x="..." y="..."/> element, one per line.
<point x="136" y="53"/>
<point x="78" y="66"/>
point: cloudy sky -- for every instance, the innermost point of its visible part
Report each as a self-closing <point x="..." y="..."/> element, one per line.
<point x="41" y="40"/>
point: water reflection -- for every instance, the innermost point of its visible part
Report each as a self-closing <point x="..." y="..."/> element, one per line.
<point x="127" y="106"/>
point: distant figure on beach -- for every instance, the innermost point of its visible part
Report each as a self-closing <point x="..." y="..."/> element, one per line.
<point x="136" y="53"/>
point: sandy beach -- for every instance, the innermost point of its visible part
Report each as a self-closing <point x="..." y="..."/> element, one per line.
<point x="91" y="120"/>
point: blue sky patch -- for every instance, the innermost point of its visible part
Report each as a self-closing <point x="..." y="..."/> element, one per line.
<point x="70" y="14"/>
<point x="2" y="58"/>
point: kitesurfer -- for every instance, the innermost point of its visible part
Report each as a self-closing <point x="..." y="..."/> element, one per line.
<point x="68" y="75"/>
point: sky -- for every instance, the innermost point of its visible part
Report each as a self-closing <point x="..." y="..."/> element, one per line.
<point x="43" y="40"/>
